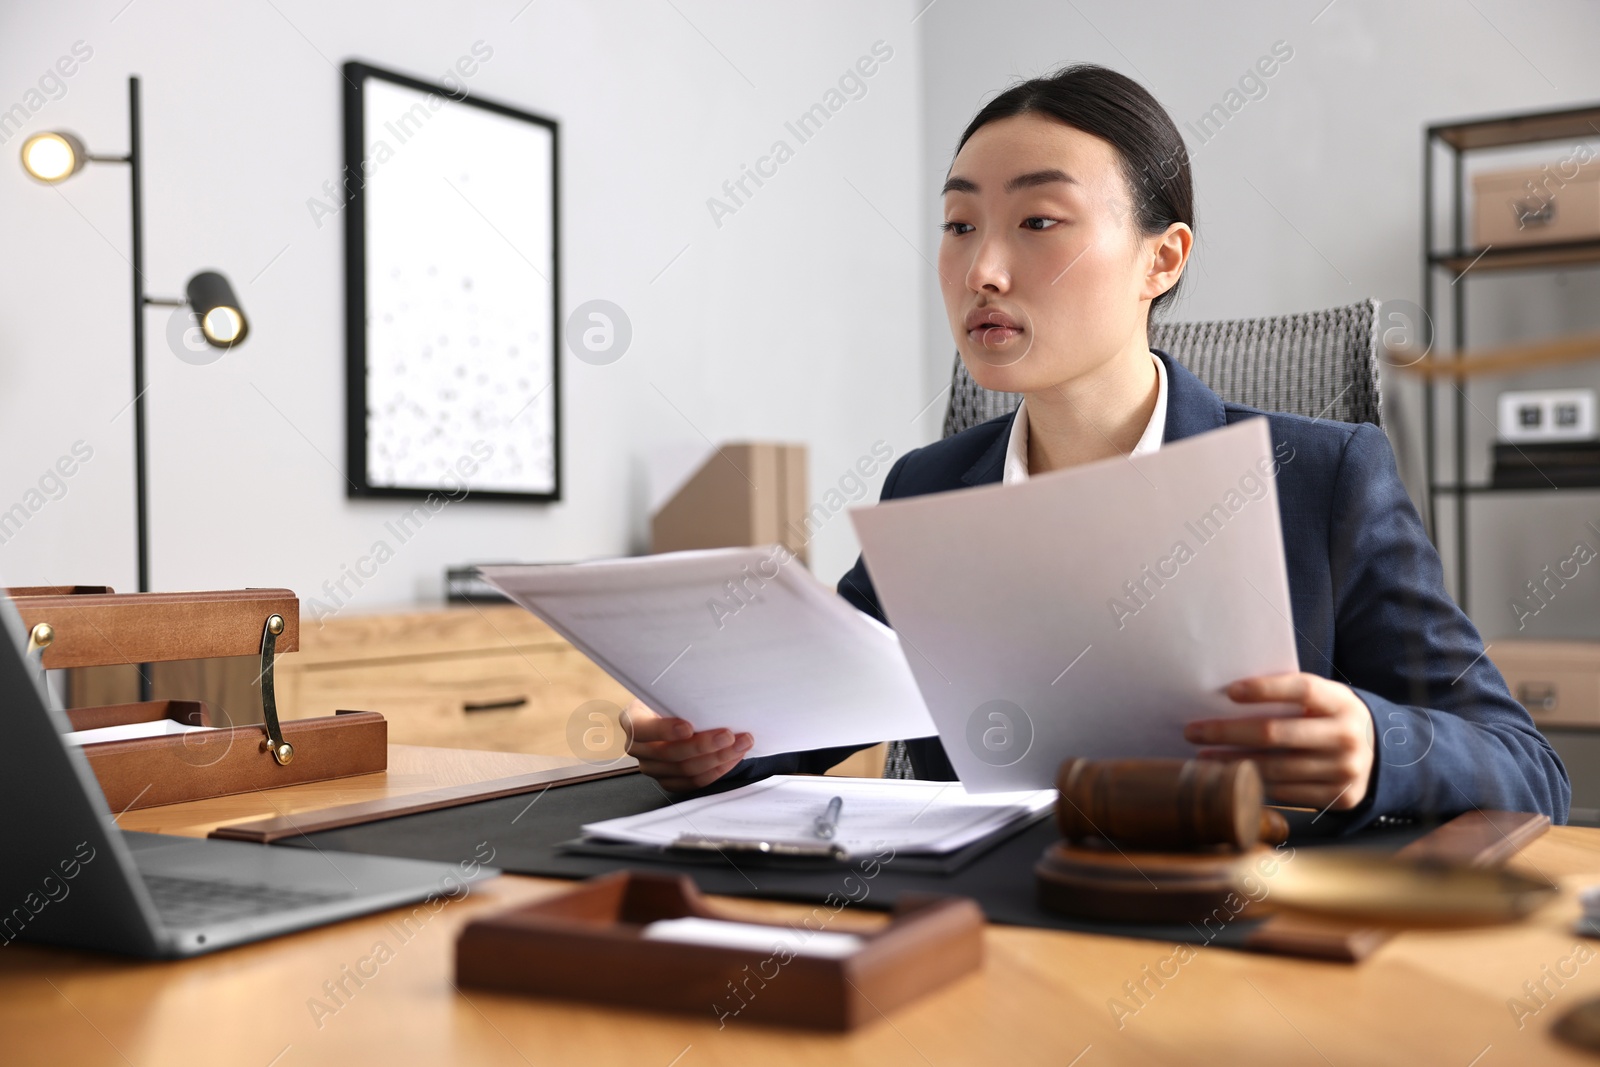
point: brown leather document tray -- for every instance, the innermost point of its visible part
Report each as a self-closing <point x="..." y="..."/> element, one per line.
<point x="145" y="772"/>
<point x="92" y="626"/>
<point x="587" y="944"/>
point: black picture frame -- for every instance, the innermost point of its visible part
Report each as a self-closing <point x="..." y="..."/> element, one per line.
<point x="359" y="483"/>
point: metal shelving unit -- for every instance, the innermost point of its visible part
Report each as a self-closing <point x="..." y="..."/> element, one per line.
<point x="1462" y="264"/>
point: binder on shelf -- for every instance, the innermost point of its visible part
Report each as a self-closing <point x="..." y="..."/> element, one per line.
<point x="1571" y="464"/>
<point x="168" y="751"/>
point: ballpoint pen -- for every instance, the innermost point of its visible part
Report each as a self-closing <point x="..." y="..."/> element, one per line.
<point x="828" y="821"/>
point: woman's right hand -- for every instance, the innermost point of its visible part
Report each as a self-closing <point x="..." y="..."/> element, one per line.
<point x="675" y="754"/>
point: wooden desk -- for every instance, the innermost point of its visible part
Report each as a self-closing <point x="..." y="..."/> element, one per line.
<point x="1043" y="997"/>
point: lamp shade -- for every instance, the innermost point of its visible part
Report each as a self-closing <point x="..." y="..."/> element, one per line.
<point x="53" y="156"/>
<point x="217" y="309"/>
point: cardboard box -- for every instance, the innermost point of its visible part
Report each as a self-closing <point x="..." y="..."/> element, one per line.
<point x="745" y="493"/>
<point x="1557" y="681"/>
<point x="1536" y="205"/>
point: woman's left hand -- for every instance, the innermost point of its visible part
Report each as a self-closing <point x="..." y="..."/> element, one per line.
<point x="1321" y="758"/>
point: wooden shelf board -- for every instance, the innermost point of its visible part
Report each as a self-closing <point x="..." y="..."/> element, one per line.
<point x="1451" y="488"/>
<point x="1501" y="131"/>
<point x="1519" y="257"/>
<point x="1506" y="359"/>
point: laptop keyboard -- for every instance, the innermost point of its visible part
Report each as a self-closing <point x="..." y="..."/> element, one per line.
<point x="189" y="902"/>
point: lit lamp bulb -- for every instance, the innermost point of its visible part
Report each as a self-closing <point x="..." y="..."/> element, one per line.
<point x="222" y="326"/>
<point x="222" y="321"/>
<point x="52" y="156"/>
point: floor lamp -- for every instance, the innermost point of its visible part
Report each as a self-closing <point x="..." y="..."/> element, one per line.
<point x="54" y="156"/>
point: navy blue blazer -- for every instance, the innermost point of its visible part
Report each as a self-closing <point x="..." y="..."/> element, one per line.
<point x="1370" y="610"/>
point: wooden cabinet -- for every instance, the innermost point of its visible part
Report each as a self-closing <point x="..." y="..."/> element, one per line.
<point x="482" y="677"/>
<point x="491" y="677"/>
<point x="1557" y="681"/>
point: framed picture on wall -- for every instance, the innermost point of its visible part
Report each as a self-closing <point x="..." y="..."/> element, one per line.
<point x="452" y="293"/>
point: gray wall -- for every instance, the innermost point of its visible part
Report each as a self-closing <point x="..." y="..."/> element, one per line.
<point x="1311" y="195"/>
<point x="798" y="318"/>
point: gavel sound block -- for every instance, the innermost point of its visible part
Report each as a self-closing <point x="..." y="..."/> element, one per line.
<point x="1157" y="840"/>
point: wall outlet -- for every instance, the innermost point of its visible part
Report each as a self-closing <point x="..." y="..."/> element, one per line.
<point x="1547" y="415"/>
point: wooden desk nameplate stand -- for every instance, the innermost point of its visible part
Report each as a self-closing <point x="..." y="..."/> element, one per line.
<point x="587" y="945"/>
<point x="76" y="626"/>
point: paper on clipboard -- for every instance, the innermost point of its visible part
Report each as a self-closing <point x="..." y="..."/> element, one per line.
<point x="1090" y="611"/>
<point x="910" y="817"/>
<point x="741" y="638"/>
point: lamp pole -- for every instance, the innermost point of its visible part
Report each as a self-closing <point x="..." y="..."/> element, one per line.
<point x="140" y="489"/>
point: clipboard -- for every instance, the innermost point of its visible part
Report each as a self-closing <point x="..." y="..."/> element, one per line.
<point x="787" y="855"/>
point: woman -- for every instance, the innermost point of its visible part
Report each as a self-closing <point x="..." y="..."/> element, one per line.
<point x="1069" y="217"/>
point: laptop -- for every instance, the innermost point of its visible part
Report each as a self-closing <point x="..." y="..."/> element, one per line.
<point x="70" y="877"/>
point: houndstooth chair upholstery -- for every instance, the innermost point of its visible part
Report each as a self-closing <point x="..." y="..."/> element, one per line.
<point x="1323" y="364"/>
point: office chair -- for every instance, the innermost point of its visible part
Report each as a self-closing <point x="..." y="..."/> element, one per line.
<point x="1322" y="364"/>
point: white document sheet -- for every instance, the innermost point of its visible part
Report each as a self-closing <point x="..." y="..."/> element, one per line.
<point x="877" y="815"/>
<point x="735" y="638"/>
<point x="755" y="937"/>
<point x="154" y="728"/>
<point x="1090" y="611"/>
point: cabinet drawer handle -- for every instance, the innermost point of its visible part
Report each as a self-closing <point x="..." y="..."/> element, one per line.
<point x="1537" y="696"/>
<point x="495" y="705"/>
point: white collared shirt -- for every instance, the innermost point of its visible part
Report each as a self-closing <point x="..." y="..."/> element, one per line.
<point x="1016" y="468"/>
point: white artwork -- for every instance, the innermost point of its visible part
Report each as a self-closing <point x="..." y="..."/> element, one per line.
<point x="458" y="207"/>
<point x="1547" y="415"/>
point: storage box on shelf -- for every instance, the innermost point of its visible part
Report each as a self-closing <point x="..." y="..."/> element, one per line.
<point x="1536" y="205"/>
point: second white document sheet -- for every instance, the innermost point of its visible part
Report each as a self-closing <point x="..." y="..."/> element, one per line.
<point x="1090" y="611"/>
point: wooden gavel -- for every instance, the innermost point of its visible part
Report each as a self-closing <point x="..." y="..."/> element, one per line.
<point x="1166" y="803"/>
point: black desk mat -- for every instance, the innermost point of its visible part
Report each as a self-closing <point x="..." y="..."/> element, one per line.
<point x="526" y="832"/>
